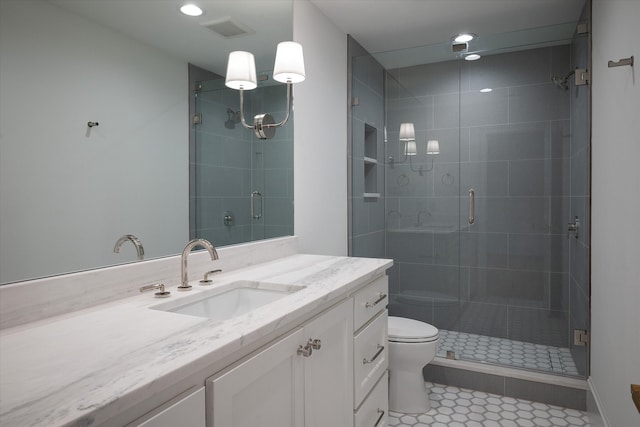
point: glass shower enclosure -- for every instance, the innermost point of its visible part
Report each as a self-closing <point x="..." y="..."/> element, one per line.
<point x="485" y="210"/>
<point x="241" y="187"/>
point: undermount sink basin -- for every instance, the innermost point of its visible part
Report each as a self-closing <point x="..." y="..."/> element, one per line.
<point x="230" y="300"/>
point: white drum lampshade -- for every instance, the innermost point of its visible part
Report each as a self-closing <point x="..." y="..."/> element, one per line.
<point x="241" y="71"/>
<point x="407" y="132"/>
<point x="433" y="147"/>
<point x="289" y="65"/>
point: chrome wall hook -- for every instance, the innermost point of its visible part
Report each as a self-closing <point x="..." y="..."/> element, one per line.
<point x="92" y="124"/>
<point x="621" y="63"/>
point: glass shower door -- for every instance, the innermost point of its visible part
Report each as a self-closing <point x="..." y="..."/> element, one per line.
<point x="221" y="167"/>
<point x="271" y="195"/>
<point x="516" y="193"/>
<point x="477" y="227"/>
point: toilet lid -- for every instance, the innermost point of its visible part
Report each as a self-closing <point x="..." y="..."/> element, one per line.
<point x="409" y="330"/>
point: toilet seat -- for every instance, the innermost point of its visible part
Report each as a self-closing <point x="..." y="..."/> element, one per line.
<point x="411" y="331"/>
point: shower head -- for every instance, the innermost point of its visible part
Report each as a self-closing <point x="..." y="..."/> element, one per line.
<point x="562" y="83"/>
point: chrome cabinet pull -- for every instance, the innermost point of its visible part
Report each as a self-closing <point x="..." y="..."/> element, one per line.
<point x="253" y="208"/>
<point x="381" y="412"/>
<point x="314" y="343"/>
<point x="472" y="205"/>
<point x="381" y="297"/>
<point x="305" y="351"/>
<point x="375" y="356"/>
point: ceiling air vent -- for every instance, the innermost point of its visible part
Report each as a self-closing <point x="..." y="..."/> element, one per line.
<point x="459" y="47"/>
<point x="227" y="27"/>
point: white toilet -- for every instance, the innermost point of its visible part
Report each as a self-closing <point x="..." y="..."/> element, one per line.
<point x="412" y="345"/>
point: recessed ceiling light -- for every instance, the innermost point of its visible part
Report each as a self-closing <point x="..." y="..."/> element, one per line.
<point x="464" y="37"/>
<point x="191" y="9"/>
<point x="486" y="90"/>
<point x="472" y="57"/>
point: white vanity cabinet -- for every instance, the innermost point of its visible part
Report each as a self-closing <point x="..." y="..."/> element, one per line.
<point x="188" y="411"/>
<point x="303" y="379"/>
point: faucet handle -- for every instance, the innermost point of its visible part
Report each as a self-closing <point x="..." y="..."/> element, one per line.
<point x="161" y="294"/>
<point x="206" y="281"/>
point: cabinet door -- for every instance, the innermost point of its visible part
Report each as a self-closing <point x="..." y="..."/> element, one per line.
<point x="328" y="370"/>
<point x="187" y="412"/>
<point x="266" y="390"/>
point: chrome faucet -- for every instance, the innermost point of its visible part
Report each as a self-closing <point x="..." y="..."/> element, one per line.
<point x="185" y="253"/>
<point x="133" y="239"/>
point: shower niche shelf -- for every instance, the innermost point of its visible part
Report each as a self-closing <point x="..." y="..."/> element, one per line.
<point x="370" y="162"/>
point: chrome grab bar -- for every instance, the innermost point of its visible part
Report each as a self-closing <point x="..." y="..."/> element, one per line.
<point x="472" y="205"/>
<point x="381" y="412"/>
<point x="375" y="356"/>
<point x="253" y="210"/>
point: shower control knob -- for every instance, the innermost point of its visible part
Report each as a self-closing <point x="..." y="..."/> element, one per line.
<point x="228" y="218"/>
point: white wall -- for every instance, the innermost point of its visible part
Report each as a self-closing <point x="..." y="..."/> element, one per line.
<point x="65" y="195"/>
<point x="320" y="134"/>
<point x="615" y="256"/>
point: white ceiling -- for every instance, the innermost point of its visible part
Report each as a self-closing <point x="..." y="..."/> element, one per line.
<point x="159" y="23"/>
<point x="383" y="25"/>
<point x="379" y="25"/>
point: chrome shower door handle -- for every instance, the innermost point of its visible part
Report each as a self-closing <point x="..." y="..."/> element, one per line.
<point x="255" y="215"/>
<point x="472" y="205"/>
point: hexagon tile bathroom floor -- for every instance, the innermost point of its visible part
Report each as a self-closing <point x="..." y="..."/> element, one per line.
<point x="458" y="407"/>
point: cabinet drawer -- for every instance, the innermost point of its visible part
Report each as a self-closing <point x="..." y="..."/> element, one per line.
<point x="369" y="301"/>
<point x="188" y="411"/>
<point x="370" y="354"/>
<point x="375" y="408"/>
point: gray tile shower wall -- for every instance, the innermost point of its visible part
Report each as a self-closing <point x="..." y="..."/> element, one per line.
<point x="367" y="219"/>
<point x="513" y="147"/>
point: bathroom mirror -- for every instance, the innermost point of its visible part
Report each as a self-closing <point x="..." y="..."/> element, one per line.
<point x="94" y="123"/>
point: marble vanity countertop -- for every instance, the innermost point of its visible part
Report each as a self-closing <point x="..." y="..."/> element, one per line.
<point x="86" y="367"/>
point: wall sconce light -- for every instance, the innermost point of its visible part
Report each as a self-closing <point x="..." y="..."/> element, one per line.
<point x="408" y="136"/>
<point x="433" y="146"/>
<point x="410" y="148"/>
<point x="241" y="75"/>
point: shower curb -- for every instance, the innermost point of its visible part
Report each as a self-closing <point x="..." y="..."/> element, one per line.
<point x="538" y="387"/>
